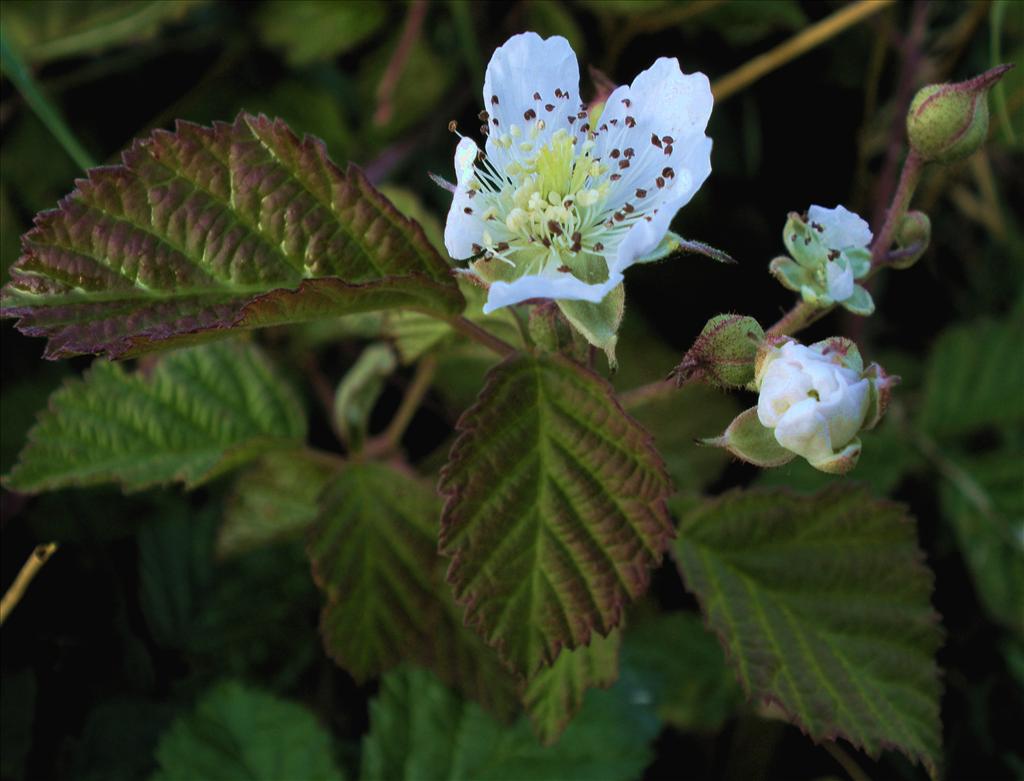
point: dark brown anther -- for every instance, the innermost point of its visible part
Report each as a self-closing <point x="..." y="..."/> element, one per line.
<point x="618" y="216"/>
<point x="501" y="246"/>
<point x="471" y="194"/>
<point x="545" y="242"/>
<point x="529" y="114"/>
<point x="549" y="107"/>
<point x="614" y="122"/>
<point x="641" y="193"/>
<point x="484" y="130"/>
<point x="494" y="121"/>
<point x="614" y="154"/>
<point x="660" y="182"/>
<point x="567" y="203"/>
<point x="467" y="210"/>
<point x="598" y="247"/>
<point x="628" y="208"/>
<point x="668" y="149"/>
<point x="630" y="122"/>
<point x="833" y="254"/>
<point x="668" y="173"/>
<point x="483" y="116"/>
<point x="628" y="153"/>
<point x="554" y="227"/>
<point x="817" y="227"/>
<point x="558" y="92"/>
<point x="668" y="139"/>
<point x="604" y="128"/>
<point x="585" y="127"/>
<point x="655" y="140"/>
<point x="627" y="102"/>
<point x="453" y="126"/>
<point x="494" y="100"/>
<point x="564" y="269"/>
<point x="477" y="249"/>
<point x="581" y="115"/>
<point x="536" y="96"/>
<point x="571" y="119"/>
<point x="615" y="177"/>
<point x="623" y="164"/>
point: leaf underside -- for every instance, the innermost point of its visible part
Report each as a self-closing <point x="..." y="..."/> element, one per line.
<point x="822" y="605"/>
<point x="198" y="413"/>
<point x="205" y="230"/>
<point x="555" y="510"/>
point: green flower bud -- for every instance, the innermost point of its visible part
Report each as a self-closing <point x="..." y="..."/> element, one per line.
<point x="948" y="122"/>
<point x="912" y="237"/>
<point x="724" y="353"/>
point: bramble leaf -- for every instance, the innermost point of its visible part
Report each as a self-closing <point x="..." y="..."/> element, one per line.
<point x="420" y="730"/>
<point x="197" y="414"/>
<point x="822" y="604"/>
<point x="239" y="732"/>
<point x="555" y="694"/>
<point x="373" y="550"/>
<point x="555" y="510"/>
<point x="205" y="230"/>
<point x="273" y="499"/>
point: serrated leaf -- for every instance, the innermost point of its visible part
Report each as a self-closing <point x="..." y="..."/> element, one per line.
<point x="372" y="548"/>
<point x="555" y="694"/>
<point x="974" y="378"/>
<point x="240" y="732"/>
<point x="197" y="414"/>
<point x="275" y="498"/>
<point x="555" y="510"/>
<point x="985" y="506"/>
<point x="206" y="230"/>
<point x="683" y="668"/>
<point x="420" y="730"/>
<point x="822" y="604"/>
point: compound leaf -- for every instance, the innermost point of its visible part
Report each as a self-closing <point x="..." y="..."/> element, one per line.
<point x="205" y="230"/>
<point x="196" y="414"/>
<point x="822" y="605"/>
<point x="555" y="510"/>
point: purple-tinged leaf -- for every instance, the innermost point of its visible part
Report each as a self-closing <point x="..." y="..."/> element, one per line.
<point x="555" y="510"/>
<point x="205" y="230"/>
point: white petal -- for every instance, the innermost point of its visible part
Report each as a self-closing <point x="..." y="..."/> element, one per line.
<point x="550" y="284"/>
<point x="805" y="431"/>
<point x="839" y="277"/>
<point x="524" y="66"/>
<point x="661" y="102"/>
<point x="462" y="230"/>
<point x="842" y="227"/>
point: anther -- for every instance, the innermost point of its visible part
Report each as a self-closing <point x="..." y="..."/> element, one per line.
<point x="453" y="126"/>
<point x="615" y="177"/>
<point x="630" y="122"/>
<point x="668" y="149"/>
<point x="494" y="100"/>
<point x="554" y="227"/>
<point x="581" y="114"/>
<point x="628" y="153"/>
<point x="668" y="139"/>
<point x="483" y="116"/>
<point x="641" y="193"/>
<point x="833" y="254"/>
<point x="529" y="114"/>
<point x="668" y="173"/>
<point x="614" y="154"/>
<point x="627" y="102"/>
<point x="598" y="247"/>
<point x="536" y="96"/>
<point x="467" y="210"/>
<point x="655" y="140"/>
<point x="628" y="208"/>
<point x="660" y="182"/>
<point x="549" y="107"/>
<point x="623" y="164"/>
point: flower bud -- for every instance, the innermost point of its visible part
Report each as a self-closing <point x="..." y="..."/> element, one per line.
<point x="947" y="122"/>
<point x="724" y="353"/>
<point x="912" y="236"/>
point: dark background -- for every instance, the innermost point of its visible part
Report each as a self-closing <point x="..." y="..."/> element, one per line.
<point x="133" y="616"/>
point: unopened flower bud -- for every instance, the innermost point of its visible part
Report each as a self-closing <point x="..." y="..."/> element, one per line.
<point x="947" y="122"/>
<point x="724" y="353"/>
<point x="912" y="237"/>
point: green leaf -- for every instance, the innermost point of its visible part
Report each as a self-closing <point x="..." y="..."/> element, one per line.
<point x="206" y="230"/>
<point x="555" y="694"/>
<point x="49" y="31"/>
<point x="974" y="378"/>
<point x="420" y="730"/>
<point x="684" y="669"/>
<point x="197" y="414"/>
<point x="822" y="604"/>
<point x="373" y="553"/>
<point x="311" y="30"/>
<point x="598" y="323"/>
<point x="240" y="732"/>
<point x="275" y="498"/>
<point x="555" y="510"/>
<point x="985" y="506"/>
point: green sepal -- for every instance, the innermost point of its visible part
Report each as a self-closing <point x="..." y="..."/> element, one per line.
<point x="724" y="354"/>
<point x="859" y="259"/>
<point x="860" y="302"/>
<point x="842" y="462"/>
<point x="673" y="243"/>
<point x="801" y="242"/>
<point x="598" y="323"/>
<point x="912" y="237"/>
<point x="790" y="274"/>
<point x="359" y="390"/>
<point x="846" y="349"/>
<point x="750" y="441"/>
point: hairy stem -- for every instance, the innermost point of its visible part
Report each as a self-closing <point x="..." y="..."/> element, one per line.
<point x="410" y="33"/>
<point x="392" y="435"/>
<point x="39" y="556"/>
<point x="468" y="328"/>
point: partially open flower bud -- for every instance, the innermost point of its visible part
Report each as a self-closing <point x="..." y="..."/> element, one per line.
<point x="724" y="353"/>
<point x="912" y="237"/>
<point x="947" y="122"/>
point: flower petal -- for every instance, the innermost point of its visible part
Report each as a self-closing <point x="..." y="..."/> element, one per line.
<point x="839" y="276"/>
<point x="463" y="229"/>
<point x="842" y="227"/>
<point x="548" y="284"/>
<point x="527" y="74"/>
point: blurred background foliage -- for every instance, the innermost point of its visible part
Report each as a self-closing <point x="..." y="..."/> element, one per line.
<point x="144" y="648"/>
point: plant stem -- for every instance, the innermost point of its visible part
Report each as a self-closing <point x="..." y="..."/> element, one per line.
<point x="845" y="761"/>
<point x="468" y="328"/>
<point x="410" y="33"/>
<point x="799" y="44"/>
<point x="392" y="435"/>
<point x="39" y="556"/>
<point x="19" y="74"/>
